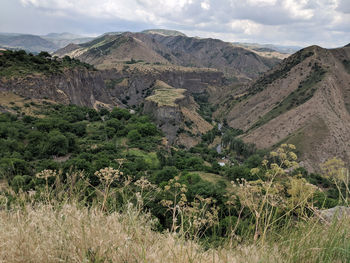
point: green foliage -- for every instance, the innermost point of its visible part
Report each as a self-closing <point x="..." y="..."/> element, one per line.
<point x="19" y="63"/>
<point x="206" y="110"/>
<point x="57" y="144"/>
<point x="71" y="139"/>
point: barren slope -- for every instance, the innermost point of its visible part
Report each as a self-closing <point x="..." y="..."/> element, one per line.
<point x="305" y="100"/>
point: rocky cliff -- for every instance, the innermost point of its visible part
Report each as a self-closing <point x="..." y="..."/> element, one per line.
<point x="73" y="86"/>
<point x="127" y="88"/>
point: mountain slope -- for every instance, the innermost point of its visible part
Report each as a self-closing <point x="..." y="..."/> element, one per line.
<point x="33" y="43"/>
<point x="305" y="100"/>
<point x="30" y="43"/>
<point x="109" y="50"/>
<point x="61" y="40"/>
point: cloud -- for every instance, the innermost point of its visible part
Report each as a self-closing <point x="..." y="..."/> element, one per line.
<point x="344" y="6"/>
<point x="323" y="22"/>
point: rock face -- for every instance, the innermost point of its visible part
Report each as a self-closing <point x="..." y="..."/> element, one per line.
<point x="75" y="86"/>
<point x="305" y="101"/>
<point x="135" y="87"/>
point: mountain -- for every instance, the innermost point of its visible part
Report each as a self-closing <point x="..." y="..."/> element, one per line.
<point x="34" y="43"/>
<point x="270" y="47"/>
<point x="109" y="50"/>
<point x="305" y="101"/>
<point x="63" y="39"/>
<point x="30" y="43"/>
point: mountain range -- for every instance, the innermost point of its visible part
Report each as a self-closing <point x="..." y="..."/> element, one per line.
<point x="149" y="48"/>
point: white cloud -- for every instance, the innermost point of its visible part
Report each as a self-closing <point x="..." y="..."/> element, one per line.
<point x="324" y="22"/>
<point x="298" y="9"/>
<point x="205" y="5"/>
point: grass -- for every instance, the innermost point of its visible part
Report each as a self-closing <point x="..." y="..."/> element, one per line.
<point x="70" y="233"/>
<point x="151" y="158"/>
<point x="31" y="107"/>
<point x="281" y="72"/>
<point x="215" y="178"/>
<point x="306" y="138"/>
<point x="165" y="95"/>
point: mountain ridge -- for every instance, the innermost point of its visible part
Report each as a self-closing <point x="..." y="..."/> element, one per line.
<point x="171" y="50"/>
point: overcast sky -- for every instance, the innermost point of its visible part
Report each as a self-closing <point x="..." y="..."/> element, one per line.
<point x="287" y="22"/>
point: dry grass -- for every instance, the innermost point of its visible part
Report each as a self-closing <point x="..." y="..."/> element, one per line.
<point x="8" y="100"/>
<point x="166" y="95"/>
<point x="72" y="234"/>
<point x="69" y="233"/>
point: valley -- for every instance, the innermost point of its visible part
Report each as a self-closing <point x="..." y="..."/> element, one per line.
<point x="215" y="143"/>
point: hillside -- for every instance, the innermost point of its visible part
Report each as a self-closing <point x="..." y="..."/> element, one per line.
<point x="30" y="43"/>
<point x="305" y="100"/>
<point x="35" y="43"/>
<point x="179" y="50"/>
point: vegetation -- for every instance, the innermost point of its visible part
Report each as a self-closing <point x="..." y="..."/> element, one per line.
<point x="346" y="64"/>
<point x="110" y="170"/>
<point x="19" y="63"/>
<point x="58" y="222"/>
<point x="206" y="110"/>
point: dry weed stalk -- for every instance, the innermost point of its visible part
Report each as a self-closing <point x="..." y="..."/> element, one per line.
<point x="190" y="219"/>
<point x="266" y="196"/>
<point x="334" y="169"/>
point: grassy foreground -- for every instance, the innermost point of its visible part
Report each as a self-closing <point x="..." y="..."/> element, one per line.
<point x="70" y="233"/>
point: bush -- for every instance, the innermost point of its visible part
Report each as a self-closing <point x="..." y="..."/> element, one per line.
<point x="57" y="144"/>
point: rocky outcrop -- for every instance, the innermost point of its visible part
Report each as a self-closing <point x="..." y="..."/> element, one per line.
<point x="134" y="85"/>
<point x="168" y="118"/>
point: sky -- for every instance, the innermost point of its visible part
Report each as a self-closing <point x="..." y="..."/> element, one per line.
<point x="285" y="22"/>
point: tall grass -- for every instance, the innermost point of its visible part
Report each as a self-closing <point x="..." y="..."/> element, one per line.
<point x="69" y="233"/>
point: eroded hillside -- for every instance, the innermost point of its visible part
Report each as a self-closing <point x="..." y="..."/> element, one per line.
<point x="305" y="100"/>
